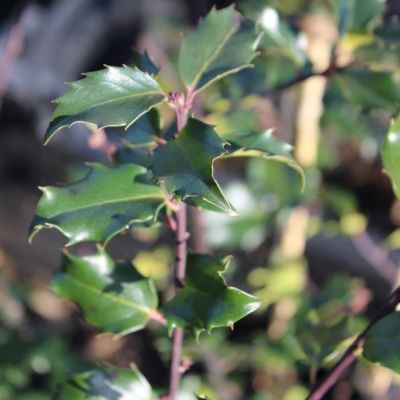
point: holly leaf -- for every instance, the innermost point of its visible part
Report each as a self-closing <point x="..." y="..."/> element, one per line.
<point x="222" y="44"/>
<point x="112" y="296"/>
<point x="391" y="154"/>
<point x="114" y="96"/>
<point x="263" y="145"/>
<point x="185" y="167"/>
<point x="206" y="302"/>
<point x="382" y="342"/>
<point x="145" y="63"/>
<point x="107" y="201"/>
<point x="108" y="383"/>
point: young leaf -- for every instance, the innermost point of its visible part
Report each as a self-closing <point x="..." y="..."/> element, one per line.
<point x="262" y="144"/>
<point x="105" y="202"/>
<point x="382" y="342"/>
<point x="221" y="45"/>
<point x="206" y="302"/>
<point x="112" y="296"/>
<point x="185" y="166"/>
<point x="114" y="96"/>
<point x="108" y="383"/>
<point x="391" y="154"/>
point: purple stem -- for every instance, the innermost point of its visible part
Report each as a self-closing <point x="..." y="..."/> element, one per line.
<point x="350" y="354"/>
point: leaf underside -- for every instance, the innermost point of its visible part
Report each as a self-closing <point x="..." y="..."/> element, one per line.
<point x="391" y="154"/>
<point x="223" y="43"/>
<point x="108" y="383"/>
<point x="112" y="296"/>
<point x="185" y="167"/>
<point x="206" y="302"/>
<point x="114" y="96"/>
<point x="104" y="203"/>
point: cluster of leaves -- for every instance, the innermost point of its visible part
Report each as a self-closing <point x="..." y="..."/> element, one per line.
<point x="159" y="165"/>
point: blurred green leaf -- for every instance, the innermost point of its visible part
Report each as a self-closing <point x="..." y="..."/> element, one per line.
<point x="185" y="166"/>
<point x="104" y="203"/>
<point x="112" y="296"/>
<point x="222" y="44"/>
<point x="382" y="342"/>
<point x="369" y="88"/>
<point x="115" y="96"/>
<point x="206" y="302"/>
<point x="391" y="154"/>
<point x="107" y="384"/>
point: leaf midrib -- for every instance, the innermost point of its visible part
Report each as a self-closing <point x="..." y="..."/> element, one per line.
<point x="144" y="310"/>
<point x="122" y="200"/>
<point x="214" y="54"/>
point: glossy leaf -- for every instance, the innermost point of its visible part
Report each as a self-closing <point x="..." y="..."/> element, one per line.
<point x="206" y="302"/>
<point x="382" y="342"/>
<point x="391" y="154"/>
<point x="108" y="383"/>
<point x="112" y="296"/>
<point x="114" y="96"/>
<point x="264" y="145"/>
<point x="185" y="167"/>
<point x="222" y="44"/>
<point x="104" y="203"/>
<point x="369" y="88"/>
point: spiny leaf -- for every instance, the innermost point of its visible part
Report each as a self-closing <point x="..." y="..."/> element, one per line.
<point x="382" y="342"/>
<point x="221" y="45"/>
<point x="108" y="383"/>
<point x="112" y="296"/>
<point x="185" y="166"/>
<point x="104" y="203"/>
<point x="114" y="96"/>
<point x="262" y="144"/>
<point x="206" y="302"/>
<point x="391" y="154"/>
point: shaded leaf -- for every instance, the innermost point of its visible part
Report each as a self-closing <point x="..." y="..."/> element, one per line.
<point x="222" y="44"/>
<point x="112" y="296"/>
<point x="206" y="302"/>
<point x="115" y="96"/>
<point x="145" y="63"/>
<point x="108" y="383"/>
<point x="382" y="342"/>
<point x="104" y="203"/>
<point x="391" y="154"/>
<point x="185" y="166"/>
<point x="264" y="145"/>
<point x="369" y="88"/>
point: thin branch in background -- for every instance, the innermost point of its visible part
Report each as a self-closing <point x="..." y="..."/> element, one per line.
<point x="13" y="48"/>
<point x="352" y="351"/>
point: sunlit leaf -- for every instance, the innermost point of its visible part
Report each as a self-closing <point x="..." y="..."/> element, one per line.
<point x="115" y="96"/>
<point x="107" y="383"/>
<point x="104" y="203"/>
<point x="223" y="43"/>
<point x="112" y="296"/>
<point x="206" y="302"/>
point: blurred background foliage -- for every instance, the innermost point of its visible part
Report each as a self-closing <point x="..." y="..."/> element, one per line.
<point x="322" y="260"/>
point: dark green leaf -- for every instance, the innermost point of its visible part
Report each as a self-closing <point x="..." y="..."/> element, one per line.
<point x="222" y="44"/>
<point x="262" y="144"/>
<point x="104" y="203"/>
<point x="206" y="302"/>
<point x="112" y="296"/>
<point x="369" y="88"/>
<point x="391" y="154"/>
<point x="382" y="342"/>
<point x="185" y="167"/>
<point x="107" y="384"/>
<point x="145" y="63"/>
<point x="115" y="96"/>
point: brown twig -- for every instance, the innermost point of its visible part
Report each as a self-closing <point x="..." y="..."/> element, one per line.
<point x="350" y="354"/>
